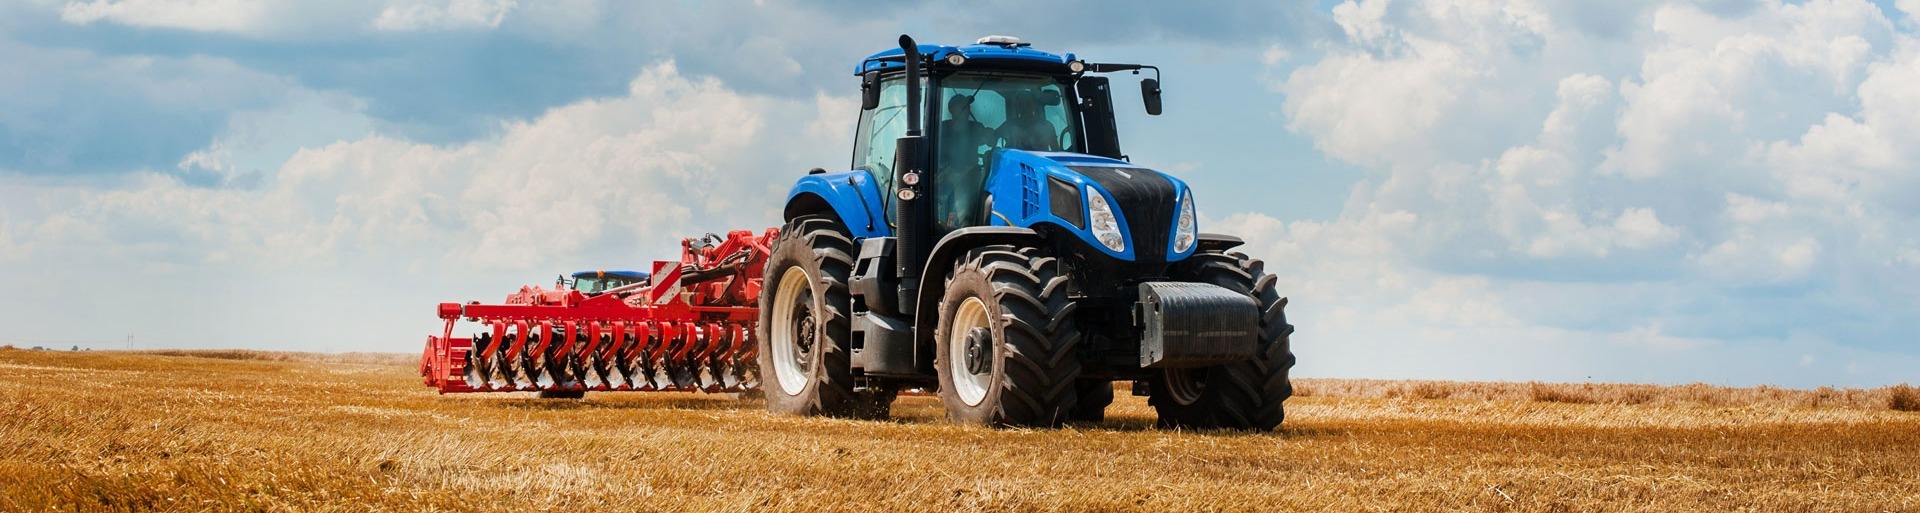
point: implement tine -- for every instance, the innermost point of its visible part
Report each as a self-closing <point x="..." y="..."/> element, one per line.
<point x="538" y="365"/>
<point x="593" y="367"/>
<point x="616" y="377"/>
<point x="498" y="360"/>
<point x="680" y="366"/>
<point x="473" y="374"/>
<point x="646" y="358"/>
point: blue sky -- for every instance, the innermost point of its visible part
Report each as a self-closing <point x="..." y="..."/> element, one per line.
<point x="1647" y="191"/>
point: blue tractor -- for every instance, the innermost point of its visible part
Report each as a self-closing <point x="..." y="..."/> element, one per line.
<point x="1007" y="254"/>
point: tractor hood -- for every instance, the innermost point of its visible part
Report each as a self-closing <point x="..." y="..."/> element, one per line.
<point x="1121" y="209"/>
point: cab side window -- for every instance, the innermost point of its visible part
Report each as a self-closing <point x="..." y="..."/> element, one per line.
<point x="874" y="147"/>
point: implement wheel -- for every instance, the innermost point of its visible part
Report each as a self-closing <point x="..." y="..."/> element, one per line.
<point x="1239" y="395"/>
<point x="1007" y="340"/>
<point x="804" y="330"/>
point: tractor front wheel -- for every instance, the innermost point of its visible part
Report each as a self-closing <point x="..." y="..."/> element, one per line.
<point x="1239" y="395"/>
<point x="1007" y="342"/>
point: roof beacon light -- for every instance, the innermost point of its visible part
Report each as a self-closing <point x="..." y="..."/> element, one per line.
<point x="1000" y="40"/>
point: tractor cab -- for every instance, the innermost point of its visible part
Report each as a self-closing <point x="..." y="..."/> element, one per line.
<point x="999" y="93"/>
<point x="592" y="283"/>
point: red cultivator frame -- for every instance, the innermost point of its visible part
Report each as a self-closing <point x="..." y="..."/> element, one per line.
<point x="691" y="327"/>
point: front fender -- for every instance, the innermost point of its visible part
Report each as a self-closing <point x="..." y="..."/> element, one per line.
<point x="945" y="254"/>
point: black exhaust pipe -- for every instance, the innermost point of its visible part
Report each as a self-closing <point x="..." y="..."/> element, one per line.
<point x="914" y="183"/>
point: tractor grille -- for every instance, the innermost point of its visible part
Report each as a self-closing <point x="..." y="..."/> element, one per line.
<point x="1145" y="198"/>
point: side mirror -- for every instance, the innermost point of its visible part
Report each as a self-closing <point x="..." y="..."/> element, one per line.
<point x="870" y="90"/>
<point x="1150" y="93"/>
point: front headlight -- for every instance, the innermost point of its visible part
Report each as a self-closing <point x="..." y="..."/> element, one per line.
<point x="1106" y="227"/>
<point x="1184" y="235"/>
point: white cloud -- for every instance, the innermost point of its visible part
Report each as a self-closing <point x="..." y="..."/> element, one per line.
<point x="1694" y="102"/>
<point x="1674" y="169"/>
<point x="1374" y="110"/>
<point x="634" y="171"/>
<point x="296" y="19"/>
<point x="601" y="183"/>
<point x="644" y="167"/>
<point x="1362" y="21"/>
<point x="446" y="14"/>
<point x="200" y="15"/>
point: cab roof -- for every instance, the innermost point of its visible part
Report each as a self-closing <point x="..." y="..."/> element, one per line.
<point x="993" y="55"/>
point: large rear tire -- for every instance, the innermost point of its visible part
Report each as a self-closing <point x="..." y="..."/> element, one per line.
<point x="804" y="330"/>
<point x="1007" y="342"/>
<point x="1240" y="395"/>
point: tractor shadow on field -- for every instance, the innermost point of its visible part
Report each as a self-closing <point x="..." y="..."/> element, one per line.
<point x="631" y="402"/>
<point x="910" y="410"/>
<point x="1132" y="424"/>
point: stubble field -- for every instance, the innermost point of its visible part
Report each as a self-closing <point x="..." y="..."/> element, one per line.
<point x="221" y="431"/>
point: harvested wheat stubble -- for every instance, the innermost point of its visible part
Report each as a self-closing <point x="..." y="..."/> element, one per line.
<point x="146" y="432"/>
<point x="1696" y="394"/>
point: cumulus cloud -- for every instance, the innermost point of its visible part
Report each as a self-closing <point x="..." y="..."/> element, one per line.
<point x="606" y="176"/>
<point x="608" y="182"/>
<point x="1702" y="182"/>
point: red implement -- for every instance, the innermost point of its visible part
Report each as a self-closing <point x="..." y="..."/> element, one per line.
<point x="688" y="328"/>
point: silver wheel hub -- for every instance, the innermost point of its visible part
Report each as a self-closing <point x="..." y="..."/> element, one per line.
<point x="979" y="351"/>
<point x="970" y="351"/>
<point x="795" y="332"/>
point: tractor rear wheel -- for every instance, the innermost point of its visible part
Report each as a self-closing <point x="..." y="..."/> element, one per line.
<point x="1239" y="395"/>
<point x="1007" y="342"/>
<point x="804" y="330"/>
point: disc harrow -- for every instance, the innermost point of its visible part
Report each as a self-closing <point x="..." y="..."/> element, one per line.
<point x="690" y="327"/>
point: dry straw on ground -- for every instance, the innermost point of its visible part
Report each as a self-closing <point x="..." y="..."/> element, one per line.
<point x="106" y="431"/>
<point x="1900" y="397"/>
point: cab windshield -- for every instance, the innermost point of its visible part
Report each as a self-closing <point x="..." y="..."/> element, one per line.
<point x="999" y="110"/>
<point x="983" y="112"/>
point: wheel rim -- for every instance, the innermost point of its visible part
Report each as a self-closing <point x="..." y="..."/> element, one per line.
<point x="1184" y="386"/>
<point x="970" y="384"/>
<point x="794" y="330"/>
